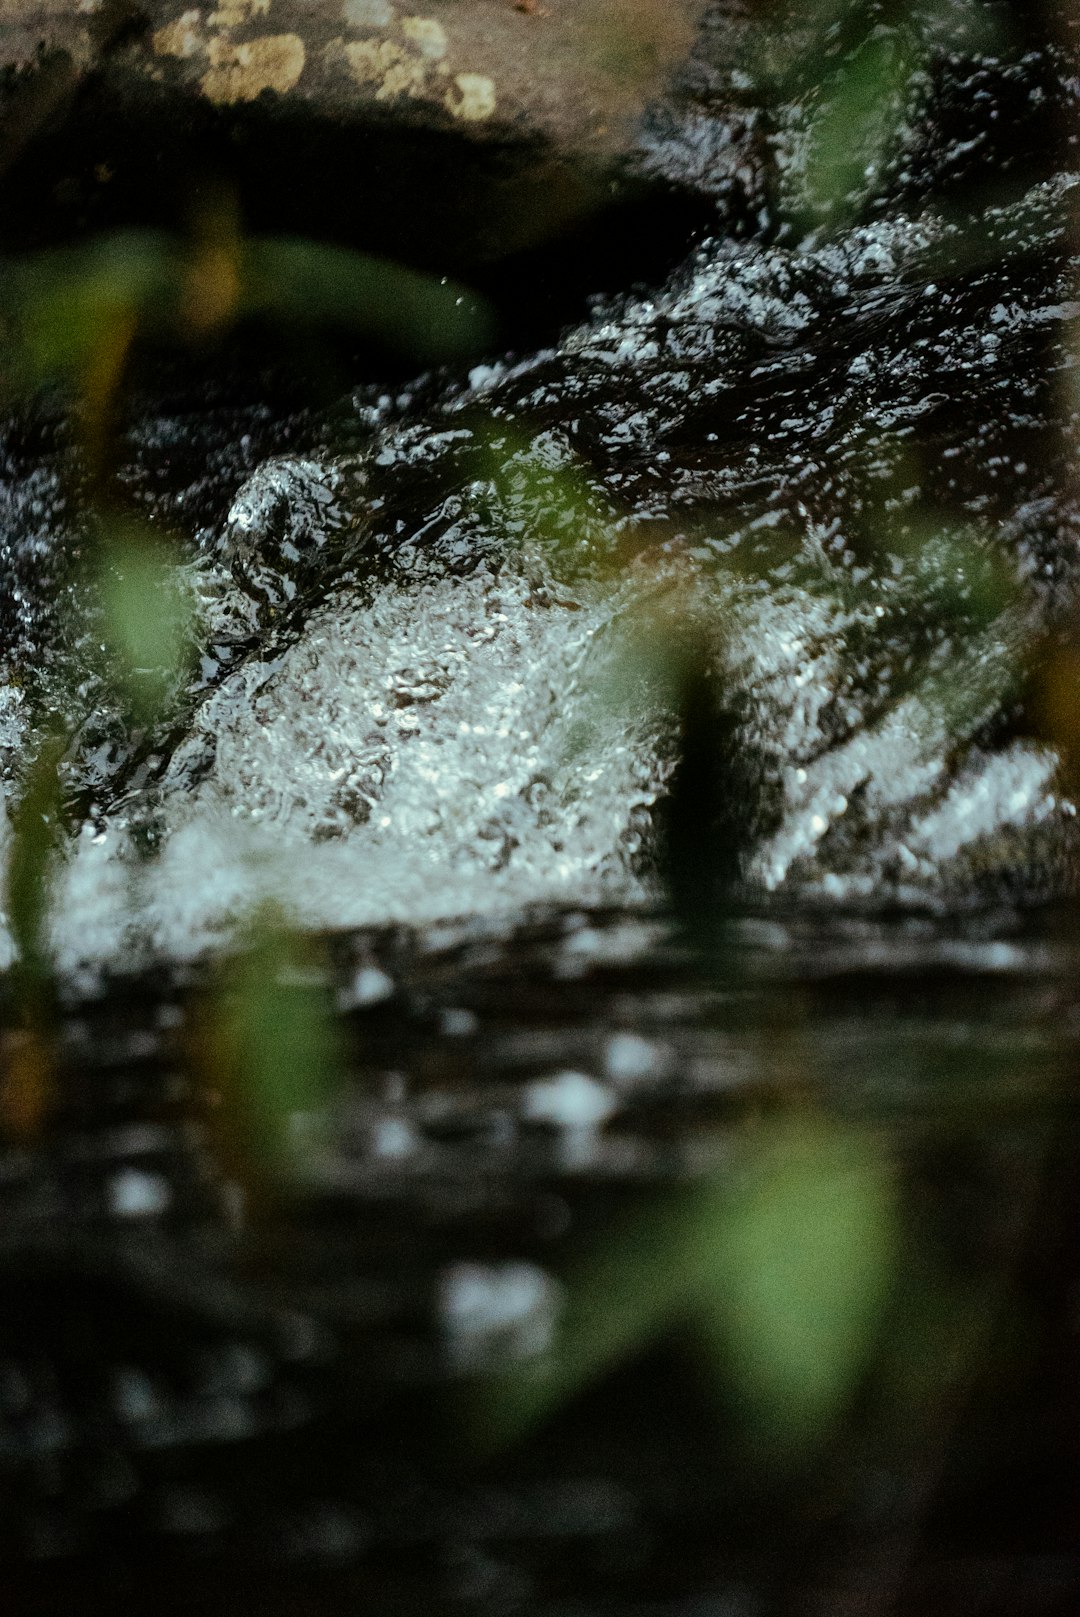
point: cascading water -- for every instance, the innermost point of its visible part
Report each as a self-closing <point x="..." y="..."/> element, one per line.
<point x="782" y="452"/>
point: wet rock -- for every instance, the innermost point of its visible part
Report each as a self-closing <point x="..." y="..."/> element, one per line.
<point x="284" y="520"/>
<point x="576" y="73"/>
<point x="501" y="122"/>
<point x="489" y="130"/>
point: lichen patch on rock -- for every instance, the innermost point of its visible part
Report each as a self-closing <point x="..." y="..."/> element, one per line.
<point x="183" y="38"/>
<point x="234" y="13"/>
<point x="427" y="34"/>
<point x="474" y="97"/>
<point x="242" y="72"/>
<point x="392" y="70"/>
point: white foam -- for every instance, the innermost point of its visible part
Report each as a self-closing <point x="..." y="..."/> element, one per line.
<point x="438" y="750"/>
<point x="498" y="1313"/>
<point x="133" y="1193"/>
<point x="569" y="1100"/>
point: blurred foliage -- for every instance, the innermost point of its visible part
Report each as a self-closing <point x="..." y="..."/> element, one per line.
<point x="781" y="1267"/>
<point x="146" y="616"/>
<point x="271" y="1049"/>
<point x="804" y="1260"/>
<point x="26" y="1049"/>
<point x="855" y="72"/>
<point x="73" y="312"/>
<point x="537" y="491"/>
<point x="957" y="573"/>
<point x="69" y="309"/>
<point x="852" y="133"/>
<point x="432" y="319"/>
<point x="27" y="1081"/>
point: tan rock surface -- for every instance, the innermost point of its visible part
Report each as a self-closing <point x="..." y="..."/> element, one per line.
<point x="576" y="72"/>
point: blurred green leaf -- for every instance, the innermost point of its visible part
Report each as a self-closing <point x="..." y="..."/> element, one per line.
<point x="854" y="130"/>
<point x="783" y="1267"/>
<point x="804" y="1260"/>
<point x="70" y="309"/>
<point x="146" y="615"/>
<point x="623" y="1295"/>
<point x="275" y="1049"/>
<point x="70" y="303"/>
<point x="428" y="317"/>
<point x="538" y="491"/>
<point x="965" y="579"/>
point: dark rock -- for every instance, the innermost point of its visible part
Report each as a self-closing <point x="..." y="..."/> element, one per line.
<point x="477" y="129"/>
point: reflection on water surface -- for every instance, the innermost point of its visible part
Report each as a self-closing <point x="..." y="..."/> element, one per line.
<point x="607" y="1275"/>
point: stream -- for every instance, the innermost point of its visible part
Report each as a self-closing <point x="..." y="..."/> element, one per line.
<point x="641" y="769"/>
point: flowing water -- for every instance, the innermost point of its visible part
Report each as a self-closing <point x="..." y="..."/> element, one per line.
<point x="435" y="663"/>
